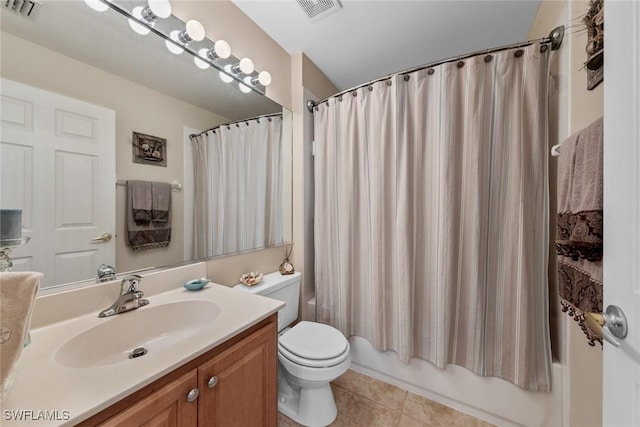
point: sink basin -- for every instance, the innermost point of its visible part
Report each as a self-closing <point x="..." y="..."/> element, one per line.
<point x="151" y="327"/>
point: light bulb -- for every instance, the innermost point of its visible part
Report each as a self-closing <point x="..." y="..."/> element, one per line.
<point x="97" y="5"/>
<point x="225" y="77"/>
<point x="136" y="26"/>
<point x="173" y="48"/>
<point x="246" y="66"/>
<point x="264" y="78"/>
<point x="160" y="8"/>
<point x="195" y="30"/>
<point x="222" y="49"/>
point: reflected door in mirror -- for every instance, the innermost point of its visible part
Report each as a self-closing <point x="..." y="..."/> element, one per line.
<point x="58" y="166"/>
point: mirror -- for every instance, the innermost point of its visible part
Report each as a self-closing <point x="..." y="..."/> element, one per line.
<point x="71" y="50"/>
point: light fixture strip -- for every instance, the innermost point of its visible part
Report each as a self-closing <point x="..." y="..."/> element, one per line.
<point x="232" y="59"/>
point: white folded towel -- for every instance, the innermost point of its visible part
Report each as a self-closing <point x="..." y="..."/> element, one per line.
<point x="17" y="296"/>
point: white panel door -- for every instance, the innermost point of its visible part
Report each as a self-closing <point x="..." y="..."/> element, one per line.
<point x="58" y="166"/>
<point x="621" y="393"/>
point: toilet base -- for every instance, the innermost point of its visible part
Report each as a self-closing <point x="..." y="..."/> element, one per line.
<point x="312" y="407"/>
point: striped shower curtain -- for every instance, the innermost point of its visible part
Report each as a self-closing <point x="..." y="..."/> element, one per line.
<point x="431" y="215"/>
<point x="238" y="187"/>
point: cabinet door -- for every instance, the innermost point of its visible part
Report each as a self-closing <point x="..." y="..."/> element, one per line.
<point x="166" y="407"/>
<point x="239" y="386"/>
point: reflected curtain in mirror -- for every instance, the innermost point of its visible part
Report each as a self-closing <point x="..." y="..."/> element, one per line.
<point x="238" y="187"/>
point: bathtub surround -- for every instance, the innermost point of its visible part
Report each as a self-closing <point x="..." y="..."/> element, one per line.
<point x="17" y="294"/>
<point x="431" y="215"/>
<point x="579" y="225"/>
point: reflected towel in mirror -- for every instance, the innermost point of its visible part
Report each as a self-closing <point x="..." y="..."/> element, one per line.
<point x="156" y="233"/>
<point x="141" y="200"/>
<point x="160" y="203"/>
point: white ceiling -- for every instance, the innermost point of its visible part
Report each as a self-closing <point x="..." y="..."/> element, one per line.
<point x="368" y="39"/>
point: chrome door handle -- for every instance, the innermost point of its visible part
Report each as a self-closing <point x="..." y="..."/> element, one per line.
<point x="192" y="395"/>
<point x="104" y="238"/>
<point x="213" y="381"/>
<point x="610" y="325"/>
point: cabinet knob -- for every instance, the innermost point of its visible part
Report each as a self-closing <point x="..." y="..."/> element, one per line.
<point x="192" y="395"/>
<point x="212" y="382"/>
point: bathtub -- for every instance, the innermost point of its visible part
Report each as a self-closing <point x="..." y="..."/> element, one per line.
<point x="490" y="399"/>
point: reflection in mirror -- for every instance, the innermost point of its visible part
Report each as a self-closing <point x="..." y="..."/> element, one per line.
<point x="244" y="158"/>
<point x="105" y="82"/>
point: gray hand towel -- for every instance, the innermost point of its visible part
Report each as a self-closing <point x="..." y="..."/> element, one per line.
<point x="140" y="193"/>
<point x="152" y="234"/>
<point x="160" y="203"/>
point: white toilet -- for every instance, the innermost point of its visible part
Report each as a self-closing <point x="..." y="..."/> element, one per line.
<point x="310" y="355"/>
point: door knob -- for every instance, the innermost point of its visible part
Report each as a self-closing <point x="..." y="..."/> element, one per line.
<point x="104" y="238"/>
<point x="610" y="325"/>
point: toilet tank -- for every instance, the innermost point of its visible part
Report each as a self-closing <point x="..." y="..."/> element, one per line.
<point x="284" y="288"/>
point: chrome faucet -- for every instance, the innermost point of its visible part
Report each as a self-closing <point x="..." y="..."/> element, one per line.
<point x="130" y="297"/>
<point x="106" y="273"/>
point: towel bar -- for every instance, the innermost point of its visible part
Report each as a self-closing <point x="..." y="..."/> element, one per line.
<point x="175" y="185"/>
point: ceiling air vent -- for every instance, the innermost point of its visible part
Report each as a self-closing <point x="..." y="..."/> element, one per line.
<point x="25" y="8"/>
<point x="319" y="9"/>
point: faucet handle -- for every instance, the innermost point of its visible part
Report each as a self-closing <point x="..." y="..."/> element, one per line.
<point x="130" y="283"/>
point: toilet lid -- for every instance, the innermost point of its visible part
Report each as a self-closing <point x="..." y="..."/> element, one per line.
<point x="312" y="363"/>
<point x="314" y="341"/>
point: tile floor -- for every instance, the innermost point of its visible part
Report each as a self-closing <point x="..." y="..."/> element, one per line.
<point x="368" y="402"/>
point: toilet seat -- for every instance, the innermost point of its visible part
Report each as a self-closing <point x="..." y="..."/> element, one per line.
<point x="314" y="345"/>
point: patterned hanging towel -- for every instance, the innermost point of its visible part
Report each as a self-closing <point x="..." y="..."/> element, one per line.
<point x="156" y="232"/>
<point x="579" y="225"/>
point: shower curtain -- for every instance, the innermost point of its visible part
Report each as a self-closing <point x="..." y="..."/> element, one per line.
<point x="238" y="187"/>
<point x="431" y="215"/>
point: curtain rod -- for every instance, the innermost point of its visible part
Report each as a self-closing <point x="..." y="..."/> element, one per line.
<point x="264" y="116"/>
<point x="555" y="39"/>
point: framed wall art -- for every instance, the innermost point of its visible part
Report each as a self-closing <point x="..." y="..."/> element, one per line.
<point x="149" y="150"/>
<point x="594" y="24"/>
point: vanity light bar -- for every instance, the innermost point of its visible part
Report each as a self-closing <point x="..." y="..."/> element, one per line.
<point x="180" y="37"/>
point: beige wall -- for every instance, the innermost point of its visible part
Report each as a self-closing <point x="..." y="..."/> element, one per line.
<point x="161" y="116"/>
<point x="227" y="270"/>
<point x="573" y="108"/>
<point x="313" y="79"/>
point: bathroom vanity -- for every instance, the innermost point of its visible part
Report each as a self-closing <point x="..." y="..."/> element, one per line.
<point x="233" y="384"/>
<point x="203" y="358"/>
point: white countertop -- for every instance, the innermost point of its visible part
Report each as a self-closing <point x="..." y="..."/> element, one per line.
<point x="46" y="393"/>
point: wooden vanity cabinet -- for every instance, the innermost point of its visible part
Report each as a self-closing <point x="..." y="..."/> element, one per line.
<point x="237" y="386"/>
<point x="166" y="406"/>
<point x="236" y="383"/>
